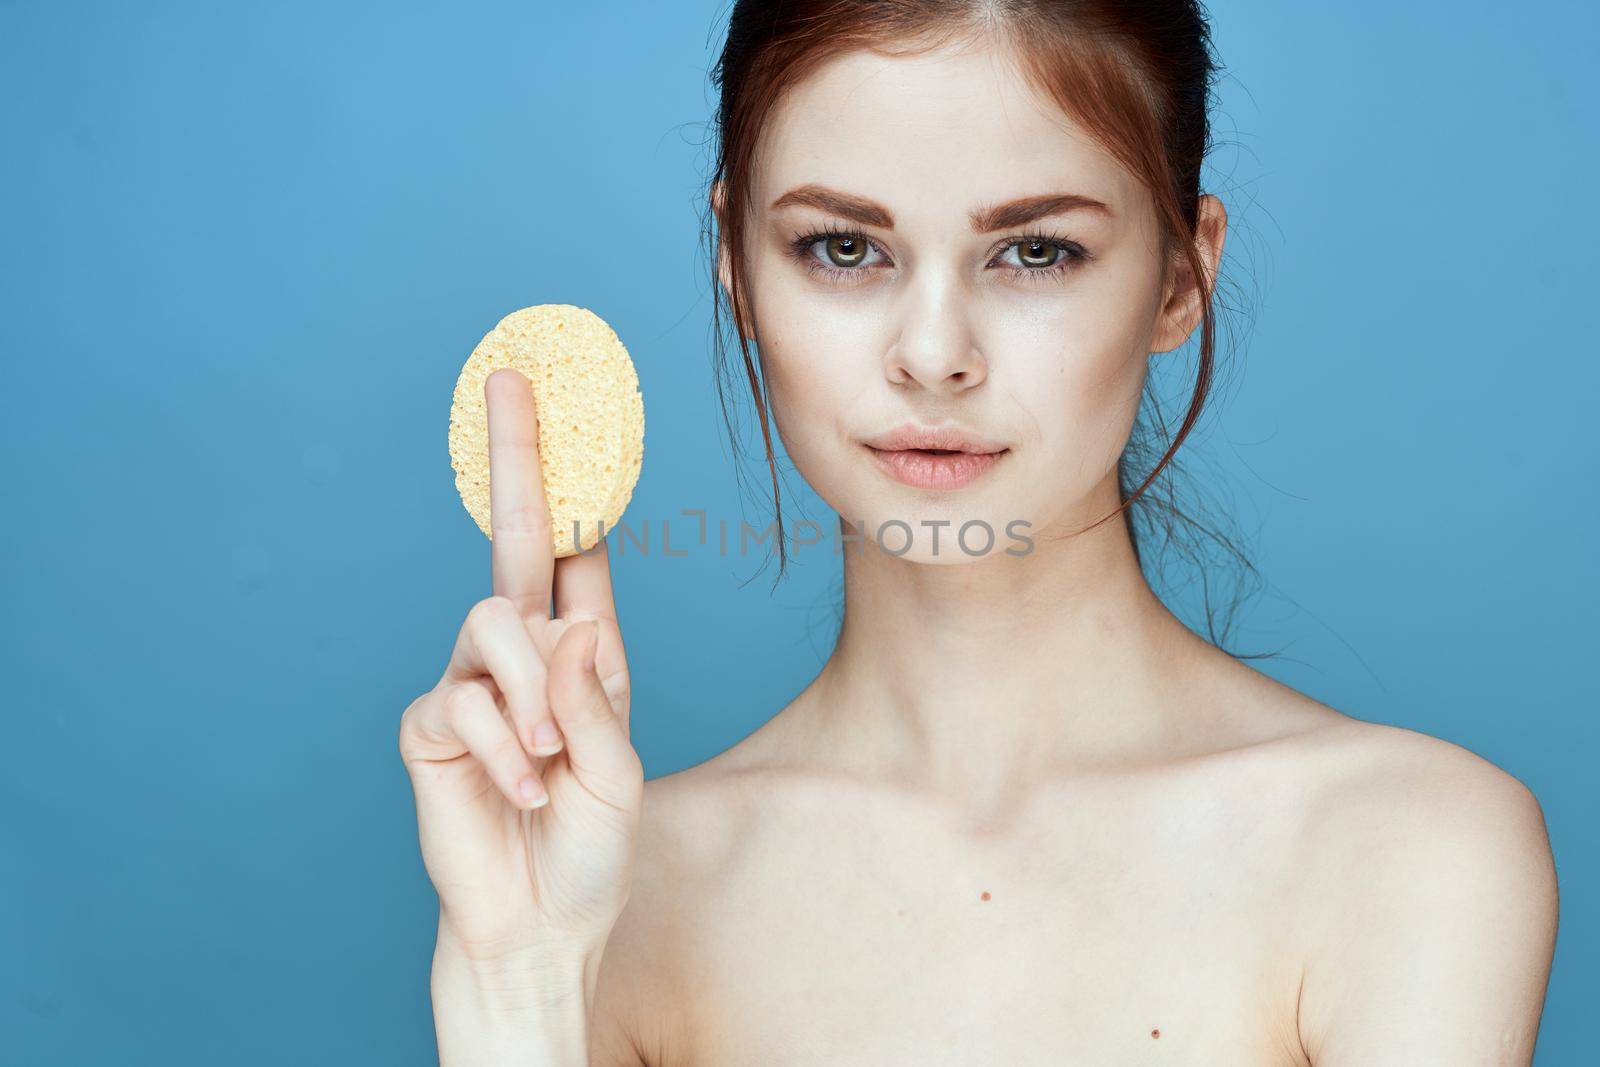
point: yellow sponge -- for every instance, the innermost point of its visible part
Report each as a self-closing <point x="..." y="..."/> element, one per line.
<point x="590" y="414"/>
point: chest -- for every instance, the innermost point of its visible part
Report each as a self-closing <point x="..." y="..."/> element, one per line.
<point x="1087" y="938"/>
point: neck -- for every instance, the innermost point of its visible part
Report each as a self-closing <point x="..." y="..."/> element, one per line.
<point x="970" y="680"/>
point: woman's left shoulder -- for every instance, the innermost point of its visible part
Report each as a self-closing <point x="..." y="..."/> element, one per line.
<point x="1393" y="787"/>
<point x="1423" y="870"/>
<point x="1368" y="786"/>
<point x="1414" y="833"/>
<point x="1420" y="870"/>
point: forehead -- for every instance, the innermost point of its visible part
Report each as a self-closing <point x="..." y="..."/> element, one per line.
<point x="937" y="132"/>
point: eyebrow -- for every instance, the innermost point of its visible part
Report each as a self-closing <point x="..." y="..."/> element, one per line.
<point x="987" y="219"/>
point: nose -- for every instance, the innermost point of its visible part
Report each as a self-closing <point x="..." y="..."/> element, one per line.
<point x="936" y="349"/>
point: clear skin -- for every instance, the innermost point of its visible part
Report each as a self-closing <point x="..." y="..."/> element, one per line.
<point x="1022" y="815"/>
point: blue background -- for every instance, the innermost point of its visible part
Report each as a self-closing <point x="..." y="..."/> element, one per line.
<point x="247" y="247"/>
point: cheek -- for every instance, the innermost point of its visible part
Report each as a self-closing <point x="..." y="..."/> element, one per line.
<point x="1076" y="366"/>
<point x="804" y="400"/>
<point x="816" y="358"/>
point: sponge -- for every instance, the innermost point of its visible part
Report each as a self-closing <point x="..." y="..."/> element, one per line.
<point x="589" y="410"/>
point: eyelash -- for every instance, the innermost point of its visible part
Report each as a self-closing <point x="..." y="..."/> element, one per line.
<point x="1072" y="255"/>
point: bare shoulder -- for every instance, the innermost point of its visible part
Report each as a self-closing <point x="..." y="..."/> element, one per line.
<point x="1373" y="804"/>
<point x="1410" y="801"/>
<point x="1377" y="791"/>
<point x="688" y="828"/>
<point x="1430" y="904"/>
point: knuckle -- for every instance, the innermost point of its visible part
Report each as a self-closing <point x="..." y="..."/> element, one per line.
<point x="458" y="702"/>
<point x="616" y="683"/>
<point x="404" y="729"/>
<point x="490" y="612"/>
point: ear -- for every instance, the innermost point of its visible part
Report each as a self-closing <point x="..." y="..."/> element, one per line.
<point x="719" y="206"/>
<point x="1181" y="310"/>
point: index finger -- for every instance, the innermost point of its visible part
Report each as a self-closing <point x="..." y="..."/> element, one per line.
<point x="522" y="553"/>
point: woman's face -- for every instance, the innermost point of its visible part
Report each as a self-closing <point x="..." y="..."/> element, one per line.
<point x="1031" y="332"/>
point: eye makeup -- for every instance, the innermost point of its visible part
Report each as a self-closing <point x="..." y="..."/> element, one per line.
<point x="1070" y="254"/>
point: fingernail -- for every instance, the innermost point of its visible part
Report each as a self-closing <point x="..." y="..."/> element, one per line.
<point x="533" y="793"/>
<point x="544" y="736"/>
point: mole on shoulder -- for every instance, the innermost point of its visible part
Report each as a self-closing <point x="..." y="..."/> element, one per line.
<point x="1156" y="1034"/>
<point x="985" y="894"/>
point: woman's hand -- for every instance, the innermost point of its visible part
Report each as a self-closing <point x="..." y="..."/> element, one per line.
<point x="527" y="788"/>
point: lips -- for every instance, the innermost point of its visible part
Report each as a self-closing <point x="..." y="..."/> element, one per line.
<point x="934" y="457"/>
<point x="911" y="436"/>
<point x="934" y="470"/>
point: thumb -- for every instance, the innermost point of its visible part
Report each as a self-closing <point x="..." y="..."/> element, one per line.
<point x="597" y="744"/>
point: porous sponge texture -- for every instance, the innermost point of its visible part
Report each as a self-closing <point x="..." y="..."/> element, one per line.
<point x="590" y="414"/>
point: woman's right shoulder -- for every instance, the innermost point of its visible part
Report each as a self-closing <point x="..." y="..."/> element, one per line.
<point x="687" y="822"/>
<point x="698" y="829"/>
<point x="702" y="821"/>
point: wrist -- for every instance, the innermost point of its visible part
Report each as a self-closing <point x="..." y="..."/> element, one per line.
<point x="498" y="1013"/>
<point x="548" y="972"/>
<point x="555" y="955"/>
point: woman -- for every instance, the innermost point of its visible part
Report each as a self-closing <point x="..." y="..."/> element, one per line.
<point x="1023" y="814"/>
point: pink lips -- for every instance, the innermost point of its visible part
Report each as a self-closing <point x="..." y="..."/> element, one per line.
<point x="947" y="456"/>
<point x="931" y="470"/>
